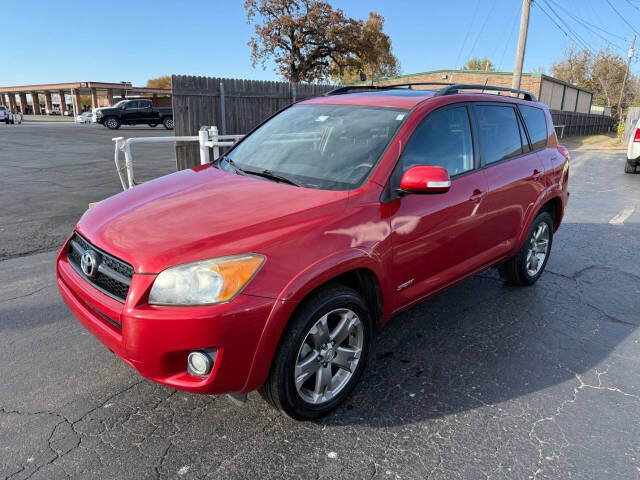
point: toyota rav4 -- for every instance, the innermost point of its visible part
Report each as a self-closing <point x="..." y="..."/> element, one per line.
<point x="272" y="267"/>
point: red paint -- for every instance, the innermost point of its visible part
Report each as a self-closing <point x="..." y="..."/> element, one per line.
<point x="425" y="179"/>
<point x="415" y="246"/>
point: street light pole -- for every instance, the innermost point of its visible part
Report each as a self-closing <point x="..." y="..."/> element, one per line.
<point x="522" y="43"/>
<point x="626" y="74"/>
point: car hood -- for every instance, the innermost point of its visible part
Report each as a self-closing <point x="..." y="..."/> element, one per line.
<point x="202" y="213"/>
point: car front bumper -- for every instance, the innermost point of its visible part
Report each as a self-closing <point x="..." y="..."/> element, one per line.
<point x="156" y="340"/>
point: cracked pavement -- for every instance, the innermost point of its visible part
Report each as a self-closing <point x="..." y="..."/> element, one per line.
<point x="481" y="381"/>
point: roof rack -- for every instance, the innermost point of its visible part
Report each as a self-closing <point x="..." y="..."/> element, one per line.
<point x="372" y="88"/>
<point x="449" y="89"/>
<point x="453" y="89"/>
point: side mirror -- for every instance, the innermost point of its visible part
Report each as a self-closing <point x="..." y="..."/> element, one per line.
<point x="425" y="179"/>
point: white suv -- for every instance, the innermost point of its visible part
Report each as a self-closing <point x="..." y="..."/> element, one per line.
<point x="633" y="151"/>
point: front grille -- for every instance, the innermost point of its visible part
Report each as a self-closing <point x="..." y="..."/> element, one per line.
<point x="112" y="277"/>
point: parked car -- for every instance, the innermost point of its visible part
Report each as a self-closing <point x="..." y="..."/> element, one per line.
<point x="134" y="112"/>
<point x="633" y="151"/>
<point x="270" y="268"/>
<point x="85" y="117"/>
<point x="9" y="117"/>
<point x="53" y="111"/>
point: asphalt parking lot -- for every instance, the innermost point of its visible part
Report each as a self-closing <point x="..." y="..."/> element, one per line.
<point x="482" y="381"/>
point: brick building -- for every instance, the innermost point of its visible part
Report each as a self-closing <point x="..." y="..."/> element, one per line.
<point x="556" y="94"/>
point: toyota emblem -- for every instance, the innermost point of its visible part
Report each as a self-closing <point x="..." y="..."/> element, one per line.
<point x="89" y="263"/>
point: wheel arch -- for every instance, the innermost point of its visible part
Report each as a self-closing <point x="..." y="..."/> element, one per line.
<point x="357" y="270"/>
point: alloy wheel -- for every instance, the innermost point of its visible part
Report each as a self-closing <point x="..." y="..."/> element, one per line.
<point x="538" y="249"/>
<point x="329" y="356"/>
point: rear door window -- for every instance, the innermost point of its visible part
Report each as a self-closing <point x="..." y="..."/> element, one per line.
<point x="536" y="122"/>
<point x="444" y="139"/>
<point x="500" y="134"/>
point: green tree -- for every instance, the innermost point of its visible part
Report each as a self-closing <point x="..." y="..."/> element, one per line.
<point x="483" y="64"/>
<point x="309" y="40"/>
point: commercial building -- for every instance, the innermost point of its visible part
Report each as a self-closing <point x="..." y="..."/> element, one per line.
<point x="556" y="94"/>
<point x="68" y="96"/>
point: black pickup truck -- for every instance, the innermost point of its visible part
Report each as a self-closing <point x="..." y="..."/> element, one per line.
<point x="134" y="112"/>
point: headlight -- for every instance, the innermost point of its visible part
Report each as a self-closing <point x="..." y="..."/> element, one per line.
<point x="205" y="282"/>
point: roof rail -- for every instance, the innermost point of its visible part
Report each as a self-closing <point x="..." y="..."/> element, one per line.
<point x="453" y="89"/>
<point x="372" y="88"/>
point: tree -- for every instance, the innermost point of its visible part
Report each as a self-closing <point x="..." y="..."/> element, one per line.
<point x="310" y="41"/>
<point x="574" y="68"/>
<point x="159" y="82"/>
<point x="602" y="72"/>
<point x="483" y="64"/>
<point x="373" y="57"/>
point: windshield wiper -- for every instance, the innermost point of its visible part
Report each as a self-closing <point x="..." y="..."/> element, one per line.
<point x="230" y="162"/>
<point x="271" y="176"/>
<point x="262" y="173"/>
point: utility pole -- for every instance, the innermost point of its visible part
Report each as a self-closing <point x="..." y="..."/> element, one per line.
<point x="626" y="74"/>
<point x="522" y="43"/>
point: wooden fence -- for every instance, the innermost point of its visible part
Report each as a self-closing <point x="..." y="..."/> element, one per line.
<point x="235" y="106"/>
<point x="581" y="123"/>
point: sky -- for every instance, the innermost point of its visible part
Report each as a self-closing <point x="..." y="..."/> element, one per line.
<point x="75" y="40"/>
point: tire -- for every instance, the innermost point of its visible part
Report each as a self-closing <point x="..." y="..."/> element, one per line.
<point x="6" y="121"/>
<point x="629" y="167"/>
<point x="168" y="123"/>
<point x="153" y="125"/>
<point x="522" y="269"/>
<point x="339" y="306"/>
<point x="112" y="123"/>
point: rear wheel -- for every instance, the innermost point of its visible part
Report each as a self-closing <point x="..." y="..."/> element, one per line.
<point x="112" y="123"/>
<point x="630" y="167"/>
<point x="168" y="123"/>
<point x="527" y="266"/>
<point x="321" y="355"/>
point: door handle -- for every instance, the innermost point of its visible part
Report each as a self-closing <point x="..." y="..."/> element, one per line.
<point x="477" y="195"/>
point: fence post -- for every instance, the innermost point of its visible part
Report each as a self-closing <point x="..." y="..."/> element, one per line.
<point x="203" y="137"/>
<point x="214" y="139"/>
<point x="223" y="113"/>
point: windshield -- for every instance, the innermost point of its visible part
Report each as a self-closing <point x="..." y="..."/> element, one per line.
<point x="329" y="147"/>
<point x="120" y="104"/>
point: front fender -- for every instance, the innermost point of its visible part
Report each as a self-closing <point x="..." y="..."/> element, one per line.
<point x="296" y="290"/>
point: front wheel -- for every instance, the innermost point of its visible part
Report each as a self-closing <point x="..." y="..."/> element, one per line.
<point x="527" y="266"/>
<point x="112" y="123"/>
<point x="321" y="355"/>
<point x="168" y="123"/>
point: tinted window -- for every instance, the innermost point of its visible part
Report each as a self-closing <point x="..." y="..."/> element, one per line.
<point x="536" y="123"/>
<point x="444" y="139"/>
<point x="500" y="136"/>
<point x="144" y="103"/>
<point x="131" y="105"/>
<point x="329" y="147"/>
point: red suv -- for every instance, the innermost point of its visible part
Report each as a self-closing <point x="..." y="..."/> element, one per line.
<point x="271" y="268"/>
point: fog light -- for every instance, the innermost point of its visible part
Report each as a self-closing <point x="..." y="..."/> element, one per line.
<point x="199" y="363"/>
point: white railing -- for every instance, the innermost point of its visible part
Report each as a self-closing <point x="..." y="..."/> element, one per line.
<point x="208" y="138"/>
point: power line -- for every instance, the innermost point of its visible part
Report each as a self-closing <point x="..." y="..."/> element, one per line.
<point x="622" y="18"/>
<point x="575" y="34"/>
<point x="508" y="42"/>
<point x="562" y="29"/>
<point x="502" y="41"/>
<point x="633" y="5"/>
<point x="484" y="24"/>
<point x="464" y="42"/>
<point x="586" y="24"/>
